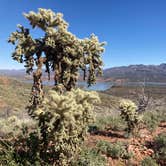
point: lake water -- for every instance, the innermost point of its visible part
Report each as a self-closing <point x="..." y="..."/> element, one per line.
<point x="101" y="86"/>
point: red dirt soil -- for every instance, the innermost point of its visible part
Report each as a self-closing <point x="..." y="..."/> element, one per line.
<point x="4" y="80"/>
<point x="137" y="145"/>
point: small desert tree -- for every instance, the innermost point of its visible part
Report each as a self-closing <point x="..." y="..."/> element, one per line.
<point x="64" y="114"/>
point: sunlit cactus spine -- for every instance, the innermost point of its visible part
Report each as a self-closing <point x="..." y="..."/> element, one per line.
<point x="62" y="116"/>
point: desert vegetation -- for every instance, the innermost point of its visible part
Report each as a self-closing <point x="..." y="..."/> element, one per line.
<point x="65" y="125"/>
<point x="63" y="114"/>
<point x="107" y="133"/>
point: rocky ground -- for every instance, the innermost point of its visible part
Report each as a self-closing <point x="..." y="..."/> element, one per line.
<point x="140" y="146"/>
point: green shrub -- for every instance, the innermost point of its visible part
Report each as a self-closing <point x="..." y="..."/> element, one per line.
<point x="24" y="150"/>
<point x="117" y="124"/>
<point x="6" y="154"/>
<point x="110" y="122"/>
<point x="12" y="125"/>
<point x="114" y="150"/>
<point x="151" y="120"/>
<point x="103" y="146"/>
<point x="162" y="115"/>
<point x="160" y="149"/>
<point x="148" y="161"/>
<point x="90" y="157"/>
<point x="93" y="129"/>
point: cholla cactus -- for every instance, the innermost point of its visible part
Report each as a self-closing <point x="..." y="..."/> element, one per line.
<point x="129" y="114"/>
<point x="62" y="116"/>
<point x="58" y="50"/>
<point x="63" y="120"/>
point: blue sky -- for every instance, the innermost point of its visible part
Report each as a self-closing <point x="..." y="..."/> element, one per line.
<point x="135" y="30"/>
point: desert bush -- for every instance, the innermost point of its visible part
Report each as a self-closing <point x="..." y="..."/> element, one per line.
<point x="161" y="114"/>
<point x="114" y="150"/>
<point x="90" y="157"/>
<point x="148" y="161"/>
<point x="110" y="122"/>
<point x="151" y="119"/>
<point x="12" y="125"/>
<point x="24" y="150"/>
<point x="6" y="154"/>
<point x="160" y="149"/>
<point x="130" y="115"/>
<point x="93" y="129"/>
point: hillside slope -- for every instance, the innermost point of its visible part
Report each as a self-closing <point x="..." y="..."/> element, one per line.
<point x="13" y="96"/>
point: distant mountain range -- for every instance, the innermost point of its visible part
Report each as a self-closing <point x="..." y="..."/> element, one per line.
<point x="135" y="73"/>
<point x="13" y="73"/>
<point x="132" y="73"/>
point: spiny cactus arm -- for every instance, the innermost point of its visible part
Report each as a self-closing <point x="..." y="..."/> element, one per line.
<point x="92" y="58"/>
<point x="73" y="104"/>
<point x="25" y="47"/>
<point x="46" y="18"/>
